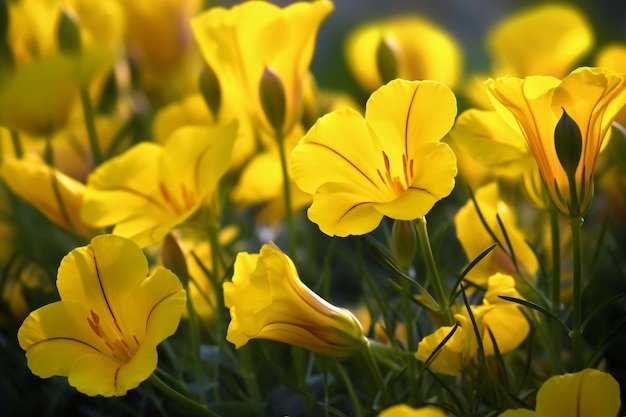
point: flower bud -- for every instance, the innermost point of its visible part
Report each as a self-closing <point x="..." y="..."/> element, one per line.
<point x="387" y="58"/>
<point x="174" y="259"/>
<point x="68" y="33"/>
<point x="273" y="100"/>
<point x="568" y="142"/>
<point x="403" y="242"/>
<point x="210" y="89"/>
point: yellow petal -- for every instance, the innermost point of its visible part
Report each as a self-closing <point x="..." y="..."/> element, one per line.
<point x="54" y="335"/>
<point x="339" y="210"/>
<point x="589" y="393"/>
<point x="423" y="51"/>
<point x="542" y="40"/>
<point x="338" y="148"/>
<point x="403" y="410"/>
<point x="34" y="181"/>
<point x="127" y="178"/>
<point x="407" y="114"/>
<point x="491" y="141"/>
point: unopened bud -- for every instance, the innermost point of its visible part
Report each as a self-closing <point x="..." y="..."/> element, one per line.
<point x="174" y="259"/>
<point x="273" y="100"/>
<point x="210" y="89"/>
<point x="387" y="58"/>
<point x="68" y="33"/>
<point x="403" y="242"/>
<point x="568" y="142"/>
<point x="109" y="96"/>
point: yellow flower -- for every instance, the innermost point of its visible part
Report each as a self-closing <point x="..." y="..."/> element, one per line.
<point x="103" y="333"/>
<point x="403" y="410"/>
<point x="419" y="50"/>
<point x="590" y="97"/>
<point x="388" y="163"/>
<point x="243" y="43"/>
<point x="40" y="92"/>
<point x="475" y="238"/>
<point x="161" y="45"/>
<point x="588" y="393"/>
<point x="56" y="195"/>
<point x="503" y="318"/>
<point x="267" y="300"/>
<point x="547" y="39"/>
<point x="543" y="40"/>
<point x="150" y="189"/>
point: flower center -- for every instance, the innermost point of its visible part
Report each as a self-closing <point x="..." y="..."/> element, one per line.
<point x="179" y="207"/>
<point x="118" y="345"/>
<point x="397" y="183"/>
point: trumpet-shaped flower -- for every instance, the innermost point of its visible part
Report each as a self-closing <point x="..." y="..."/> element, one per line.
<point x="419" y="50"/>
<point x="503" y="319"/>
<point x="256" y="38"/>
<point x="588" y="97"/>
<point x="150" y="189"/>
<point x="475" y="238"/>
<point x="389" y="163"/>
<point x="267" y="300"/>
<point x="588" y="393"/>
<point x="103" y="333"/>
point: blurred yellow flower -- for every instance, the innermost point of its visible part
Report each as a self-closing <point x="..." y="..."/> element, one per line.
<point x="475" y="238"/>
<point x="403" y="410"/>
<point x="419" y="49"/>
<point x="161" y="46"/>
<point x="389" y="163"/>
<point x="588" y="97"/>
<point x="39" y="92"/>
<point x="546" y="39"/>
<point x="103" y="333"/>
<point x="40" y="98"/>
<point x="588" y="393"/>
<point x="267" y="300"/>
<point x="502" y="318"/>
<point x="151" y="188"/>
<point x="56" y="195"/>
<point x="243" y="43"/>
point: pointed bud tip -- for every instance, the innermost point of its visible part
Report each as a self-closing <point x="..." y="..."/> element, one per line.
<point x="273" y="100"/>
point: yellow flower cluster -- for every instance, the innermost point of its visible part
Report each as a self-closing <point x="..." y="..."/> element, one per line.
<point x="149" y="149"/>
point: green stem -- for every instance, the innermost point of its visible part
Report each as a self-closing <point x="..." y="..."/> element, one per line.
<point x="194" y="341"/>
<point x="177" y="396"/>
<point x="372" y="364"/>
<point x="555" y="291"/>
<point x="49" y="159"/>
<point x="215" y="277"/>
<point x="410" y="339"/>
<point x="291" y="230"/>
<point x="358" y="412"/>
<point x="249" y="375"/>
<point x="576" y="333"/>
<point x="90" y="124"/>
<point x="431" y="267"/>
